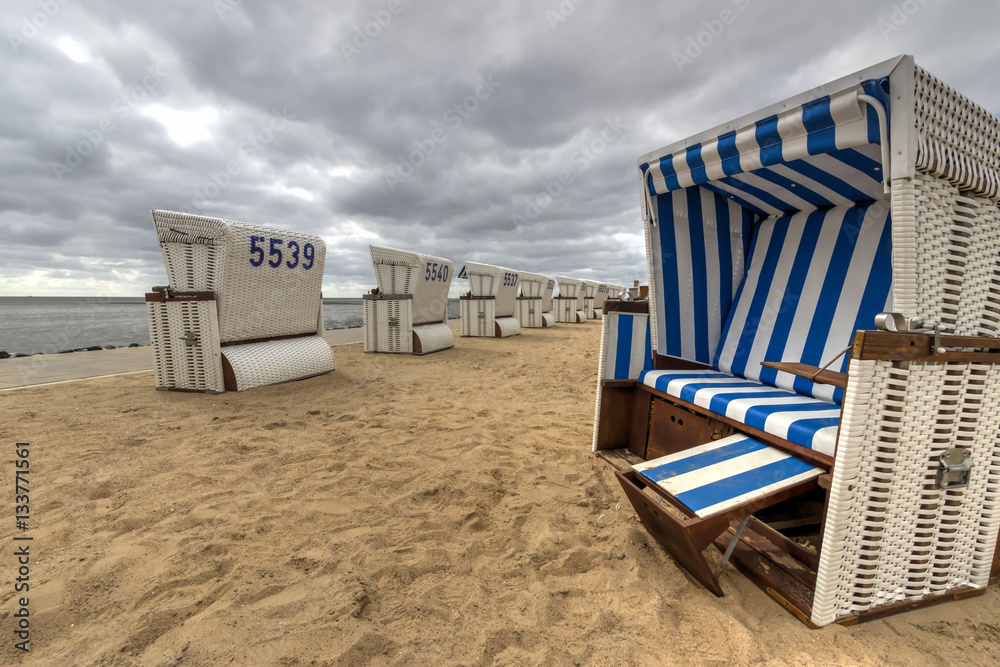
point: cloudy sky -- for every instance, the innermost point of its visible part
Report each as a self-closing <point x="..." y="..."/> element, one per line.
<point x="423" y="124"/>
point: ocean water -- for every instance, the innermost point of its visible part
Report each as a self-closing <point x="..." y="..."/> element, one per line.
<point x="42" y="324"/>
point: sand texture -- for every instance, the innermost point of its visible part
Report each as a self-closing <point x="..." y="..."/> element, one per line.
<point x="430" y="510"/>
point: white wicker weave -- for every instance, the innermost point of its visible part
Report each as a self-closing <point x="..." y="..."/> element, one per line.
<point x="262" y="301"/>
<point x="529" y="307"/>
<point x="267" y="284"/>
<point x="883" y="500"/>
<point x="277" y="361"/>
<point x="478" y="317"/>
<point x="391" y="324"/>
<point x="569" y="305"/>
<point x="388" y="325"/>
<point x="177" y="364"/>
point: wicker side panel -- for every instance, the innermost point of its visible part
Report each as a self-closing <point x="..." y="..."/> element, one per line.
<point x="507" y="326"/>
<point x="564" y="309"/>
<point x="891" y="534"/>
<point x="957" y="140"/>
<point x="955" y="258"/>
<point x="478" y="316"/>
<point x="434" y="337"/>
<point x="547" y="295"/>
<point x="388" y="325"/>
<point x="276" y="361"/>
<point x="177" y="365"/>
<point x="529" y="313"/>
<point x="601" y="364"/>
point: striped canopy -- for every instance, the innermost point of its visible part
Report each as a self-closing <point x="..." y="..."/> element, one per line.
<point x="710" y="200"/>
<point x="823" y="153"/>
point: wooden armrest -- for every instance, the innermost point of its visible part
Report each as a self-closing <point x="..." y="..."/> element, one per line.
<point x="805" y="370"/>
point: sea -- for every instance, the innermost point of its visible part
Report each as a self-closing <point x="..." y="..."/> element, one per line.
<point x="50" y="324"/>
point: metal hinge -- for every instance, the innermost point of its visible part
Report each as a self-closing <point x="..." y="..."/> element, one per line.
<point x="954" y="468"/>
<point x="190" y="338"/>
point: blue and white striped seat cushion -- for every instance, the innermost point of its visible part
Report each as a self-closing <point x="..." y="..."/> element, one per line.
<point x="717" y="476"/>
<point x="813" y="279"/>
<point x="801" y="420"/>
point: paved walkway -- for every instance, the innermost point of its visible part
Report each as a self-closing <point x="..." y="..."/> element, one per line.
<point x="52" y="368"/>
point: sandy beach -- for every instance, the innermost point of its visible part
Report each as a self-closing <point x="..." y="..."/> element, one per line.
<point x="440" y="510"/>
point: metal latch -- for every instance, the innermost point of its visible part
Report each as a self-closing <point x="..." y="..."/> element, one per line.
<point x="482" y="316"/>
<point x="190" y="338"/>
<point x="393" y="321"/>
<point x="531" y="311"/>
<point x="954" y="468"/>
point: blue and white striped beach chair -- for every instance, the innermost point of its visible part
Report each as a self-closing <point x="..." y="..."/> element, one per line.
<point x="776" y="245"/>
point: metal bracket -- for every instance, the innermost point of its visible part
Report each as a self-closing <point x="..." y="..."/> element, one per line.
<point x="954" y="468"/>
<point x="190" y="338"/>
<point x="393" y="321"/>
<point x="732" y="543"/>
<point x="482" y="316"/>
<point x="897" y="322"/>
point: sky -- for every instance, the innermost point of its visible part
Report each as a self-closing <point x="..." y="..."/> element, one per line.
<point x="437" y="126"/>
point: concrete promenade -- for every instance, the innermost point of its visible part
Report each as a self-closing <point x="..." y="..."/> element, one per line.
<point x="41" y="369"/>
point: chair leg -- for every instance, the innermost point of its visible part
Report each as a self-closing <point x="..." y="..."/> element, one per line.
<point x="672" y="533"/>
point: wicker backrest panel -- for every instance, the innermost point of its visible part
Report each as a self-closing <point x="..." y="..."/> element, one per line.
<point x="532" y="284"/>
<point x="484" y="279"/>
<point x="260" y="293"/>
<point x="426" y="277"/>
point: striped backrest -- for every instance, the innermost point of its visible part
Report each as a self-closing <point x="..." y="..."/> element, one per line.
<point x="627" y="351"/>
<point x="813" y="279"/>
<point x="426" y="277"/>
<point x="702" y="241"/>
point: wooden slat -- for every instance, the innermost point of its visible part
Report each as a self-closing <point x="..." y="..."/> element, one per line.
<point x="641" y="307"/>
<point x="615" y="425"/>
<point x="664" y="363"/>
<point x="804" y="558"/>
<point x="892" y="346"/>
<point x="791" y="593"/>
<point x="809" y="372"/>
<point x="909" y="605"/>
<point x="621" y="459"/>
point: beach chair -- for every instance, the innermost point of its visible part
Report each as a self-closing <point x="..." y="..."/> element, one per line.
<point x="534" y="302"/>
<point x="600" y="298"/>
<point x="569" y="305"/>
<point x="243" y="307"/>
<point x="589" y="298"/>
<point x="408" y="312"/>
<point x="488" y="308"/>
<point x="819" y="349"/>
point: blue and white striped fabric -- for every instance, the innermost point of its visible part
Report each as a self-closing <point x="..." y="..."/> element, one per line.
<point x="804" y="421"/>
<point x="813" y="279"/>
<point x="702" y="245"/>
<point x="823" y="153"/>
<point x="717" y="476"/>
<point x="627" y="350"/>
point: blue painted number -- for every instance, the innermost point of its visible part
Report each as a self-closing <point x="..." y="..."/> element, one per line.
<point x="293" y="247"/>
<point x="436" y="272"/>
<point x="275" y="255"/>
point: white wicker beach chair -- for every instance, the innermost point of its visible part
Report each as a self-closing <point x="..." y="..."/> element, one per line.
<point x="488" y="308"/>
<point x="244" y="305"/>
<point x="860" y="217"/>
<point x="534" y="302"/>
<point x="408" y="312"/>
<point x="569" y="304"/>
